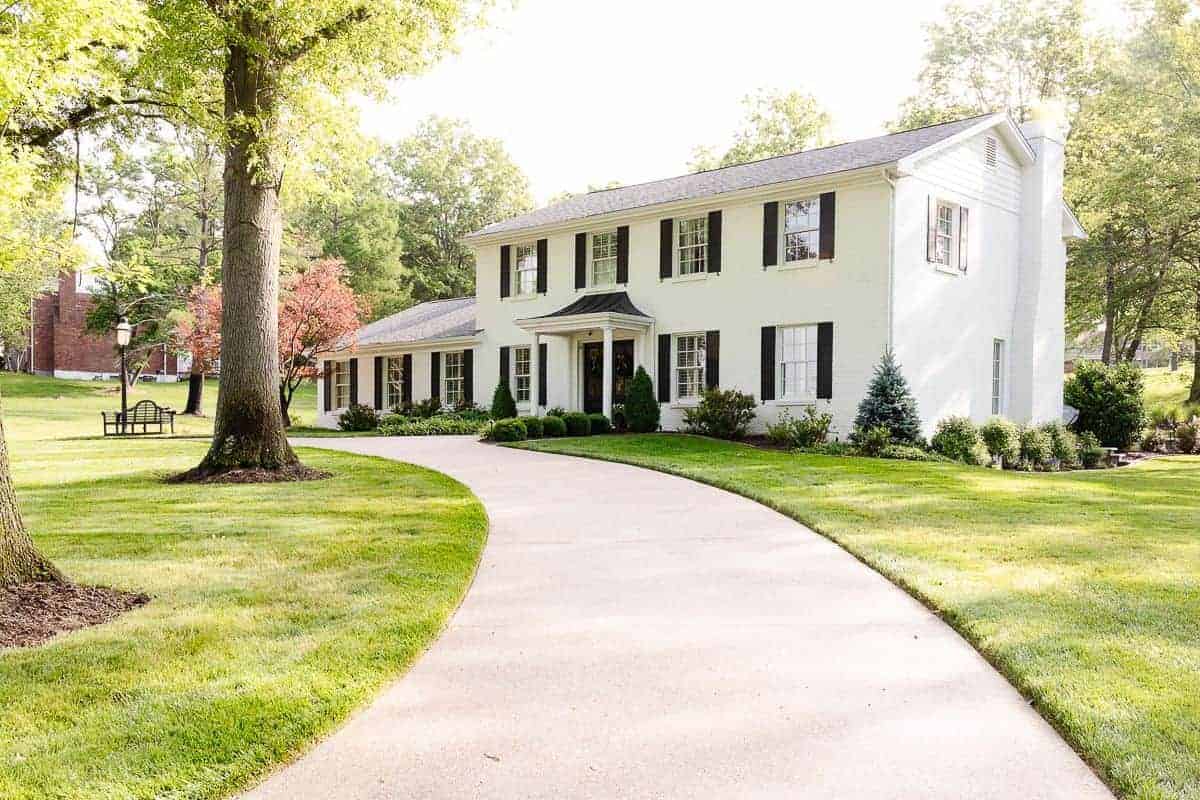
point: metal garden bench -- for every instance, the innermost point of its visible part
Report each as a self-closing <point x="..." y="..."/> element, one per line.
<point x="145" y="417"/>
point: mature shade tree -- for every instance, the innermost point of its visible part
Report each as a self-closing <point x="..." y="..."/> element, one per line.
<point x="197" y="331"/>
<point x="777" y="123"/>
<point x="448" y="182"/>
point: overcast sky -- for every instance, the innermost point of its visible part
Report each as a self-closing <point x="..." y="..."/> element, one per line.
<point x="585" y="92"/>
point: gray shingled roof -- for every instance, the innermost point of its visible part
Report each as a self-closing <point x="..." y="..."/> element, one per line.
<point x="437" y="319"/>
<point x="780" y="169"/>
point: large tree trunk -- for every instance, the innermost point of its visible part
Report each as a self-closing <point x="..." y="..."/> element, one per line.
<point x="195" y="399"/>
<point x="248" y="431"/>
<point x="1110" y="312"/>
<point x="20" y="561"/>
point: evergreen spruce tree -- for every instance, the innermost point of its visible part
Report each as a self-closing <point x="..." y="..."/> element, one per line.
<point x="889" y="404"/>
<point x="503" y="405"/>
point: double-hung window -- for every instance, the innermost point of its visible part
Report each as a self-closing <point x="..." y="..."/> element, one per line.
<point x="689" y="366"/>
<point x="525" y="277"/>
<point x="521" y="374"/>
<point x="692" y="245"/>
<point x="796" y="357"/>
<point x="943" y="244"/>
<point x="394" y="384"/>
<point x="802" y="230"/>
<point x="341" y="384"/>
<point x="604" y="258"/>
<point x="998" y="376"/>
<point x="452" y="377"/>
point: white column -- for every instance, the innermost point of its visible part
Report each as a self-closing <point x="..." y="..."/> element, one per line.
<point x="533" y="376"/>
<point x="608" y="370"/>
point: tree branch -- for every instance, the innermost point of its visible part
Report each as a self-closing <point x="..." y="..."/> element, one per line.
<point x="331" y="31"/>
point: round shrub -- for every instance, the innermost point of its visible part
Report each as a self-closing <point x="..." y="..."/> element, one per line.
<point x="599" y="424"/>
<point x="556" y="411"/>
<point x="958" y="438"/>
<point x="1036" y="449"/>
<point x="503" y="405"/>
<point x="1186" y="435"/>
<point x="553" y="426"/>
<point x="1109" y="401"/>
<point x="1002" y="439"/>
<point x="534" y="427"/>
<point x="578" y="423"/>
<point x="358" y="418"/>
<point x="508" y="430"/>
<point x="1064" y="444"/>
<point x="871" y="441"/>
<point x="642" y="411"/>
<point x="722" y="413"/>
<point x="1091" y="453"/>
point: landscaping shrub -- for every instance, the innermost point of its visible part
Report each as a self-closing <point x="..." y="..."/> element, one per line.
<point x="1109" y="401"/>
<point x="889" y="403"/>
<point x="907" y="452"/>
<point x="441" y="425"/>
<point x="957" y="438"/>
<point x="830" y="449"/>
<point x="722" y="413"/>
<point x="557" y="411"/>
<point x="1037" y="452"/>
<point x="577" y="423"/>
<point x="472" y="413"/>
<point x="508" y="430"/>
<point x="619" y="424"/>
<point x="553" y="426"/>
<point x="599" y="424"/>
<point x="1002" y="439"/>
<point x="809" y="430"/>
<point x="1154" y="441"/>
<point x="871" y="441"/>
<point x="1185" y="436"/>
<point x="1064" y="444"/>
<point x="358" y="418"/>
<point x="641" y="406"/>
<point x="503" y="405"/>
<point x="422" y="410"/>
<point x="1091" y="452"/>
<point x="534" y="427"/>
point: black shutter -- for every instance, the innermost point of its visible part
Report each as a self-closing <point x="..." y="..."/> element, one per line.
<point x="623" y="254"/>
<point x="468" y="368"/>
<point x="435" y="375"/>
<point x="825" y="361"/>
<point x="504" y="365"/>
<point x="963" y="242"/>
<point x="543" y="353"/>
<point x="712" y="359"/>
<point x="353" y="381"/>
<point x="406" y="380"/>
<point x="379" y="376"/>
<point x="768" y="363"/>
<point x="542" y="254"/>
<point x="930" y="230"/>
<point x="770" y="234"/>
<point x="581" y="261"/>
<point x="666" y="238"/>
<point x="328" y="376"/>
<point x="505" y="270"/>
<point x="714" y="241"/>
<point x="828" y="219"/>
<point x="664" y="368"/>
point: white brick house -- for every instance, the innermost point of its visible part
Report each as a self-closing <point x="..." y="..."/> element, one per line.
<point x="786" y="278"/>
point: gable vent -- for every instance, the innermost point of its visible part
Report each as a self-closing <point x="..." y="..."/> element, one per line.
<point x="989" y="151"/>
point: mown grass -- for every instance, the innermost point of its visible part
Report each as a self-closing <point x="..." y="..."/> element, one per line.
<point x="1166" y="390"/>
<point x="1083" y="588"/>
<point x="276" y="610"/>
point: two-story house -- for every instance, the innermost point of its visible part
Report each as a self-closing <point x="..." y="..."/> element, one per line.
<point x="786" y="278"/>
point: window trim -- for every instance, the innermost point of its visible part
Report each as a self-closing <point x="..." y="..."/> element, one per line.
<point x="515" y="278"/>
<point x="999" y="382"/>
<point x="390" y="384"/>
<point x="701" y="344"/>
<point x="513" y="375"/>
<point x="782" y="235"/>
<point x="676" y="256"/>
<point x="811" y="334"/>
<point x="341" y="369"/>
<point x="446" y="379"/>
<point x="591" y="259"/>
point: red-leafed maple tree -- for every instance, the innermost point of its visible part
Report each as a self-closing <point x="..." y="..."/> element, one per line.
<point x="317" y="311"/>
<point x="199" y="333"/>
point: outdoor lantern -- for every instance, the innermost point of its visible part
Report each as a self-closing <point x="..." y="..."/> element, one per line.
<point x="123" y="331"/>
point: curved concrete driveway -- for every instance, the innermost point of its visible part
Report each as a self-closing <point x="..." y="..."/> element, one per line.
<point x="635" y="635"/>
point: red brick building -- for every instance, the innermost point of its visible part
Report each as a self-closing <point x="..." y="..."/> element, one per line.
<point x="63" y="347"/>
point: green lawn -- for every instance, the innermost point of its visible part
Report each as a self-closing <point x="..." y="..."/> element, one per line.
<point x="1083" y="588"/>
<point x="276" y="610"/>
<point x="1166" y="389"/>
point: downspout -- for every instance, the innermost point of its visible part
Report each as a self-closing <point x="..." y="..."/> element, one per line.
<point x="891" y="260"/>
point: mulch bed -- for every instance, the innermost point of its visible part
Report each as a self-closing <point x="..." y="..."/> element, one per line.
<point x="297" y="472"/>
<point x="32" y="613"/>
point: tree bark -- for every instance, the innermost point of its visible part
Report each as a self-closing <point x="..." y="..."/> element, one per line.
<point x="284" y="402"/>
<point x="1110" y="312"/>
<point x="195" y="398"/>
<point x="248" y="430"/>
<point x="20" y="561"/>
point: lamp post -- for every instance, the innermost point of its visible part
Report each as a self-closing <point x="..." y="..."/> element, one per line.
<point x="123" y="332"/>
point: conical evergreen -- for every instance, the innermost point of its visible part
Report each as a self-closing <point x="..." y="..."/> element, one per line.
<point x="503" y="405"/>
<point x="889" y="403"/>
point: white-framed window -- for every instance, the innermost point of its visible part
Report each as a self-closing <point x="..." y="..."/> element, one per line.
<point x="802" y="229"/>
<point x="341" y="384"/>
<point x="943" y="242"/>
<point x="394" y="381"/>
<point x="604" y="258"/>
<point x="689" y="366"/>
<point x="452" y="378"/>
<point x="525" y="274"/>
<point x="796" y="357"/>
<point x="997" y="376"/>
<point x="692" y="245"/>
<point x="521" y="374"/>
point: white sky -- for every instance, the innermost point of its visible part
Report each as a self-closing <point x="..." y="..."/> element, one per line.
<point x="590" y="91"/>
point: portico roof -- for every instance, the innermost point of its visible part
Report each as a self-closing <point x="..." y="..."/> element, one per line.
<point x="605" y="308"/>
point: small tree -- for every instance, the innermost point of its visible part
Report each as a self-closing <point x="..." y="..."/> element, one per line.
<point x="1109" y="401"/>
<point x="889" y="404"/>
<point x="317" y="312"/>
<point x="641" y="407"/>
<point x="503" y="405"/>
<point x="198" y="332"/>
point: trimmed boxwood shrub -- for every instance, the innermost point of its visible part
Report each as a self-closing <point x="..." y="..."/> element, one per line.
<point x="1064" y="445"/>
<point x="599" y="424"/>
<point x="578" y="423"/>
<point x="553" y="426"/>
<point x="508" y="430"/>
<point x="1109" y="401"/>
<point x="440" y="425"/>
<point x="1002" y="439"/>
<point x="642" y="411"/>
<point x="958" y="438"/>
<point x="534" y="427"/>
<point x="1036" y="450"/>
<point x="358" y="418"/>
<point x="503" y="405"/>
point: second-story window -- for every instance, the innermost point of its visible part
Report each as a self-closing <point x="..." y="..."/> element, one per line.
<point x="525" y="277"/>
<point x="944" y="235"/>
<point x="693" y="245"/>
<point x="604" y="258"/>
<point x="802" y="229"/>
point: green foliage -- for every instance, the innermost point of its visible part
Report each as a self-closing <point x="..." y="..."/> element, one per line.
<point x="599" y="424"/>
<point x="556" y="411"/>
<point x="553" y="426"/>
<point x="503" y="405"/>
<point x="508" y="430"/>
<point x="907" y="452"/>
<point x="1153" y="441"/>
<point x="619" y="423"/>
<point x="776" y="123"/>
<point x="1002" y="439"/>
<point x="809" y="430"/>
<point x="957" y="438"/>
<point x="1109" y="401"/>
<point x="440" y="425"/>
<point x="358" y="418"/>
<point x="1064" y="444"/>
<point x="534" y="427"/>
<point x="422" y="410"/>
<point x="1037" y="450"/>
<point x="871" y="441"/>
<point x="722" y="413"/>
<point x="577" y="423"/>
<point x="1091" y="452"/>
<point x="889" y="403"/>
<point x="1186" y="435"/>
<point x="831" y="449"/>
<point x="642" y="411"/>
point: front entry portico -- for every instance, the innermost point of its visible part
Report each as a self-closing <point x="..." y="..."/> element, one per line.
<point x="592" y="373"/>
